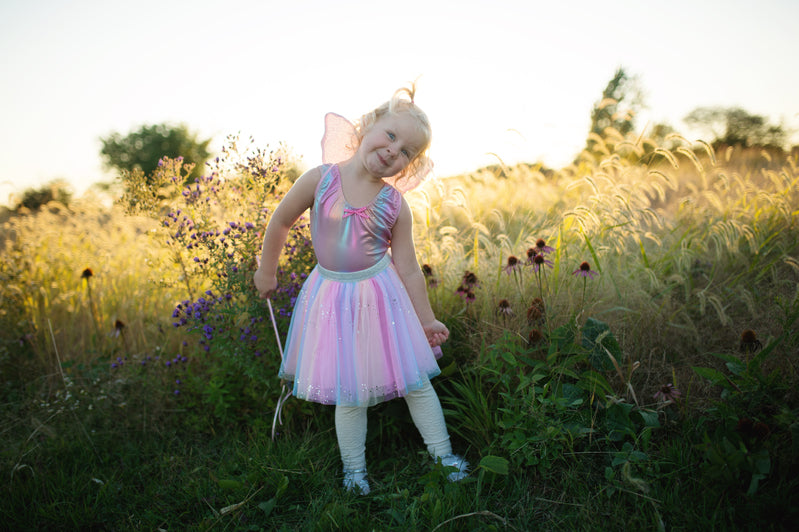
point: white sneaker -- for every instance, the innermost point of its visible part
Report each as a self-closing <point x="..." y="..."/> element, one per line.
<point x="356" y="479"/>
<point x="453" y="460"/>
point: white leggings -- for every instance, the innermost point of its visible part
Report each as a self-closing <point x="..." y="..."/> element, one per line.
<point x="425" y="411"/>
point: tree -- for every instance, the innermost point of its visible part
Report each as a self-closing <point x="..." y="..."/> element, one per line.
<point x="621" y="100"/>
<point x="34" y="198"/>
<point x="732" y="126"/>
<point x="142" y="149"/>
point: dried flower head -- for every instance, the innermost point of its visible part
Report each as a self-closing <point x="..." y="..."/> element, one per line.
<point x="465" y="292"/>
<point x="504" y="308"/>
<point x="585" y="271"/>
<point x="86" y="273"/>
<point x="427" y="271"/>
<point x="535" y="312"/>
<point x="535" y="337"/>
<point x="749" y="342"/>
<point x="761" y="430"/>
<point x="470" y="279"/>
<point x="751" y="429"/>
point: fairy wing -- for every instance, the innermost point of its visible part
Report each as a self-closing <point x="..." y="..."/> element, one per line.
<point x="410" y="182"/>
<point x="340" y="141"/>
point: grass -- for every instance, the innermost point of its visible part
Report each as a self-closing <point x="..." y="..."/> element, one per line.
<point x="241" y="480"/>
<point x="137" y="427"/>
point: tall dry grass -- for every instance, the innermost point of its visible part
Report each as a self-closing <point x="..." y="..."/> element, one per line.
<point x="692" y="247"/>
<point x="84" y="284"/>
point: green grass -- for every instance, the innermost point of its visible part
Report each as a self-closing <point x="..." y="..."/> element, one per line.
<point x="238" y="479"/>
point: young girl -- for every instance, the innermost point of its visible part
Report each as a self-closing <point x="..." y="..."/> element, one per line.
<point x="362" y="330"/>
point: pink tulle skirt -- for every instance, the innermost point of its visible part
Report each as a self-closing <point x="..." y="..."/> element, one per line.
<point x="355" y="339"/>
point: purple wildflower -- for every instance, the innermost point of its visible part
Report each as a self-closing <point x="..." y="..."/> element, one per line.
<point x="513" y="264"/>
<point x="540" y="261"/>
<point x="667" y="394"/>
<point x="585" y="271"/>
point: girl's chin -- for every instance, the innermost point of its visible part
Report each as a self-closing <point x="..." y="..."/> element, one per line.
<point x="380" y="171"/>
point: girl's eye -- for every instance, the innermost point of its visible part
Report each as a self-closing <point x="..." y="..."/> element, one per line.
<point x="391" y="136"/>
<point x="406" y="154"/>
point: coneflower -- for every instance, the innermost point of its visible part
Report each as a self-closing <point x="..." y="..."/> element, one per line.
<point x="542" y="248"/>
<point x="504" y="309"/>
<point x="749" y="342"/>
<point x="586" y="273"/>
<point x="87" y="275"/>
<point x="535" y="337"/>
<point x="535" y="312"/>
<point x="427" y="271"/>
<point x="512" y="265"/>
<point x="667" y="394"/>
<point x="119" y="330"/>
<point x="539" y="261"/>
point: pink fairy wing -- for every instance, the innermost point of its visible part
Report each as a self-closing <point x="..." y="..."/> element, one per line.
<point x="410" y="182"/>
<point x="339" y="142"/>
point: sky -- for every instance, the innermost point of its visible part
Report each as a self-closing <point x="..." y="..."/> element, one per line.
<point x="497" y="78"/>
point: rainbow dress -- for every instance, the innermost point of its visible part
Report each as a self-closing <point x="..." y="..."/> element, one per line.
<point x="354" y="337"/>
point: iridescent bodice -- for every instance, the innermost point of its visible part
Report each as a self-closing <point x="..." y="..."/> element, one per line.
<point x="345" y="238"/>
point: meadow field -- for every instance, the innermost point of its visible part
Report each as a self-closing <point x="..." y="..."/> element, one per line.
<point x="623" y="353"/>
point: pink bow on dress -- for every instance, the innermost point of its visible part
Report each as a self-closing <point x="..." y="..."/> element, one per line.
<point x="361" y="213"/>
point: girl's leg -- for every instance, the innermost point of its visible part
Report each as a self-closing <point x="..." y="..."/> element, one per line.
<point x="351" y="435"/>
<point x="428" y="417"/>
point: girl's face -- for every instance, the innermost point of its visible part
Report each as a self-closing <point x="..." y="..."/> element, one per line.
<point x="391" y="144"/>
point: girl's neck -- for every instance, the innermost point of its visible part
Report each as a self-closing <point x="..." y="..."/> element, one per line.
<point x="357" y="172"/>
<point x="358" y="186"/>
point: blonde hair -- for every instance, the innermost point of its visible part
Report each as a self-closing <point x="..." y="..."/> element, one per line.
<point x="401" y="102"/>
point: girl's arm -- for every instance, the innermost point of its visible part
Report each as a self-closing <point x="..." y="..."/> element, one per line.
<point x="403" y="254"/>
<point x="296" y="201"/>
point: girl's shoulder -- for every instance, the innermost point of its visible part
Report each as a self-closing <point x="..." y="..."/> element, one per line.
<point x="326" y="174"/>
<point x="310" y="177"/>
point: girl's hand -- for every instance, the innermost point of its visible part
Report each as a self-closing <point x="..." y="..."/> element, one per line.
<point x="437" y="333"/>
<point x="264" y="283"/>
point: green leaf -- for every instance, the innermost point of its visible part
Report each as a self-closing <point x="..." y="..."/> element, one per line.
<point x="650" y="418"/>
<point x="508" y="357"/>
<point x="726" y="357"/>
<point x="284" y="484"/>
<point x="268" y="506"/>
<point x="599" y="341"/>
<point x="736" y="368"/>
<point x="449" y="370"/>
<point x="495" y="464"/>
<point x="763" y="353"/>
<point x="713" y="375"/>
<point x="595" y="383"/>
<point x="228" y="483"/>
